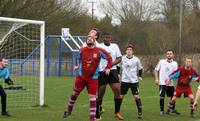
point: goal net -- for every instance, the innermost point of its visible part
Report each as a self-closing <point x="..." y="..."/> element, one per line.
<point x="22" y="43"/>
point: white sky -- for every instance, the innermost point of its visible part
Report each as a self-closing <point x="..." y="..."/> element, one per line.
<point x="97" y="11"/>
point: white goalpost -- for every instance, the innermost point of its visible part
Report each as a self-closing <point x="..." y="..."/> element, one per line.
<point x="23" y="43"/>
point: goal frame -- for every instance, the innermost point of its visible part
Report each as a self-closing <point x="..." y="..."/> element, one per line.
<point x="42" y="50"/>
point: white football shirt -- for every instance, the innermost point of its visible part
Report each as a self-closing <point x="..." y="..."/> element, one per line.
<point x="114" y="51"/>
<point x="165" y="68"/>
<point x="130" y="68"/>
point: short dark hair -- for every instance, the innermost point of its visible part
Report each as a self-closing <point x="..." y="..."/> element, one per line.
<point x="190" y="58"/>
<point x="170" y="50"/>
<point x="1" y="58"/>
<point x="130" y="46"/>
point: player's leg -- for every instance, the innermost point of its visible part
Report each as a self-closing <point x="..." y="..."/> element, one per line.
<point x="115" y="86"/>
<point x="188" y="92"/>
<point x="191" y="97"/>
<point x="103" y="81"/>
<point x="117" y="99"/>
<point x="92" y="87"/>
<point x="3" y="102"/>
<point x="135" y="93"/>
<point x="78" y="87"/>
<point x="162" y="91"/>
<point x="124" y="89"/>
<point x="101" y="91"/>
<point x="170" y="92"/>
<point x="177" y="93"/>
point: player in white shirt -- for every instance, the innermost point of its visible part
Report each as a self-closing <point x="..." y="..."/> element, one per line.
<point x="162" y="71"/>
<point x="131" y="74"/>
<point x="196" y="97"/>
<point x="112" y="79"/>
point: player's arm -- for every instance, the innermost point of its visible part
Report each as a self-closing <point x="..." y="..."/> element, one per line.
<point x="78" y="61"/>
<point x="7" y="79"/>
<point x="175" y="74"/>
<point x="119" y="56"/>
<point x="156" y="72"/>
<point x="105" y="55"/>
<point x="195" y="76"/>
<point x="140" y="69"/>
<point x="117" y="61"/>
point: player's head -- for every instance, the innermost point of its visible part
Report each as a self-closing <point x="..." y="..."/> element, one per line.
<point x="129" y="50"/>
<point x="107" y="37"/>
<point x="188" y="62"/>
<point x="95" y="33"/>
<point x="3" y="62"/>
<point x="170" y="54"/>
<point x="90" y="41"/>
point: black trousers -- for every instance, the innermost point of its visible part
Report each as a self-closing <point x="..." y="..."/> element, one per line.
<point x="3" y="99"/>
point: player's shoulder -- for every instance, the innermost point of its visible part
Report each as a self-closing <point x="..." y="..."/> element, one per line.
<point x="162" y="60"/>
<point x="136" y="58"/>
<point x="100" y="49"/>
<point x="174" y="62"/>
<point x="193" y="70"/>
<point x="114" y="44"/>
<point x="124" y="57"/>
<point x="83" y="48"/>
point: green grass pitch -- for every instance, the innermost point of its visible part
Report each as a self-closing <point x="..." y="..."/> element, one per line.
<point x="57" y="91"/>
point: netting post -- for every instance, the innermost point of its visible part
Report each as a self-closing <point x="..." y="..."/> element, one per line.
<point x="48" y="56"/>
<point x="72" y="65"/>
<point x="10" y="63"/>
<point x="33" y="67"/>
<point x="60" y="57"/>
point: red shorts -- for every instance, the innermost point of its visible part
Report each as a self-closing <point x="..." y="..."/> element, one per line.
<point x="90" y="84"/>
<point x="183" y="89"/>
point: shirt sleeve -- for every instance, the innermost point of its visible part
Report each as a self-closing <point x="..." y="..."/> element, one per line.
<point x="175" y="75"/>
<point x="195" y="75"/>
<point x="199" y="87"/>
<point x="176" y="66"/>
<point x="79" y="58"/>
<point x="139" y="65"/>
<point x="118" y="51"/>
<point x="158" y="66"/>
<point x="6" y="73"/>
<point x="105" y="55"/>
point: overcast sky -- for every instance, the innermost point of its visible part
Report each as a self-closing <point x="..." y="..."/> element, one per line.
<point x="97" y="11"/>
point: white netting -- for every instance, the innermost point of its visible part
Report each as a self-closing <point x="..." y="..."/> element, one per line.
<point x="20" y="43"/>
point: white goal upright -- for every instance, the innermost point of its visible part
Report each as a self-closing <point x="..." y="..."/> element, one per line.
<point x="22" y="42"/>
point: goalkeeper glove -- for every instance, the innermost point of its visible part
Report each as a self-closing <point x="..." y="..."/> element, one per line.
<point x="9" y="81"/>
<point x="140" y="78"/>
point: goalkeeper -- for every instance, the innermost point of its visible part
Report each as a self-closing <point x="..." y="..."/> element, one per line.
<point x="4" y="73"/>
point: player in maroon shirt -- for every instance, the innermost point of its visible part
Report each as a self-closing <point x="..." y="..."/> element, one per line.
<point x="184" y="75"/>
<point x="88" y="62"/>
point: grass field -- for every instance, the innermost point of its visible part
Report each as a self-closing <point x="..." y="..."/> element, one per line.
<point x="57" y="91"/>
